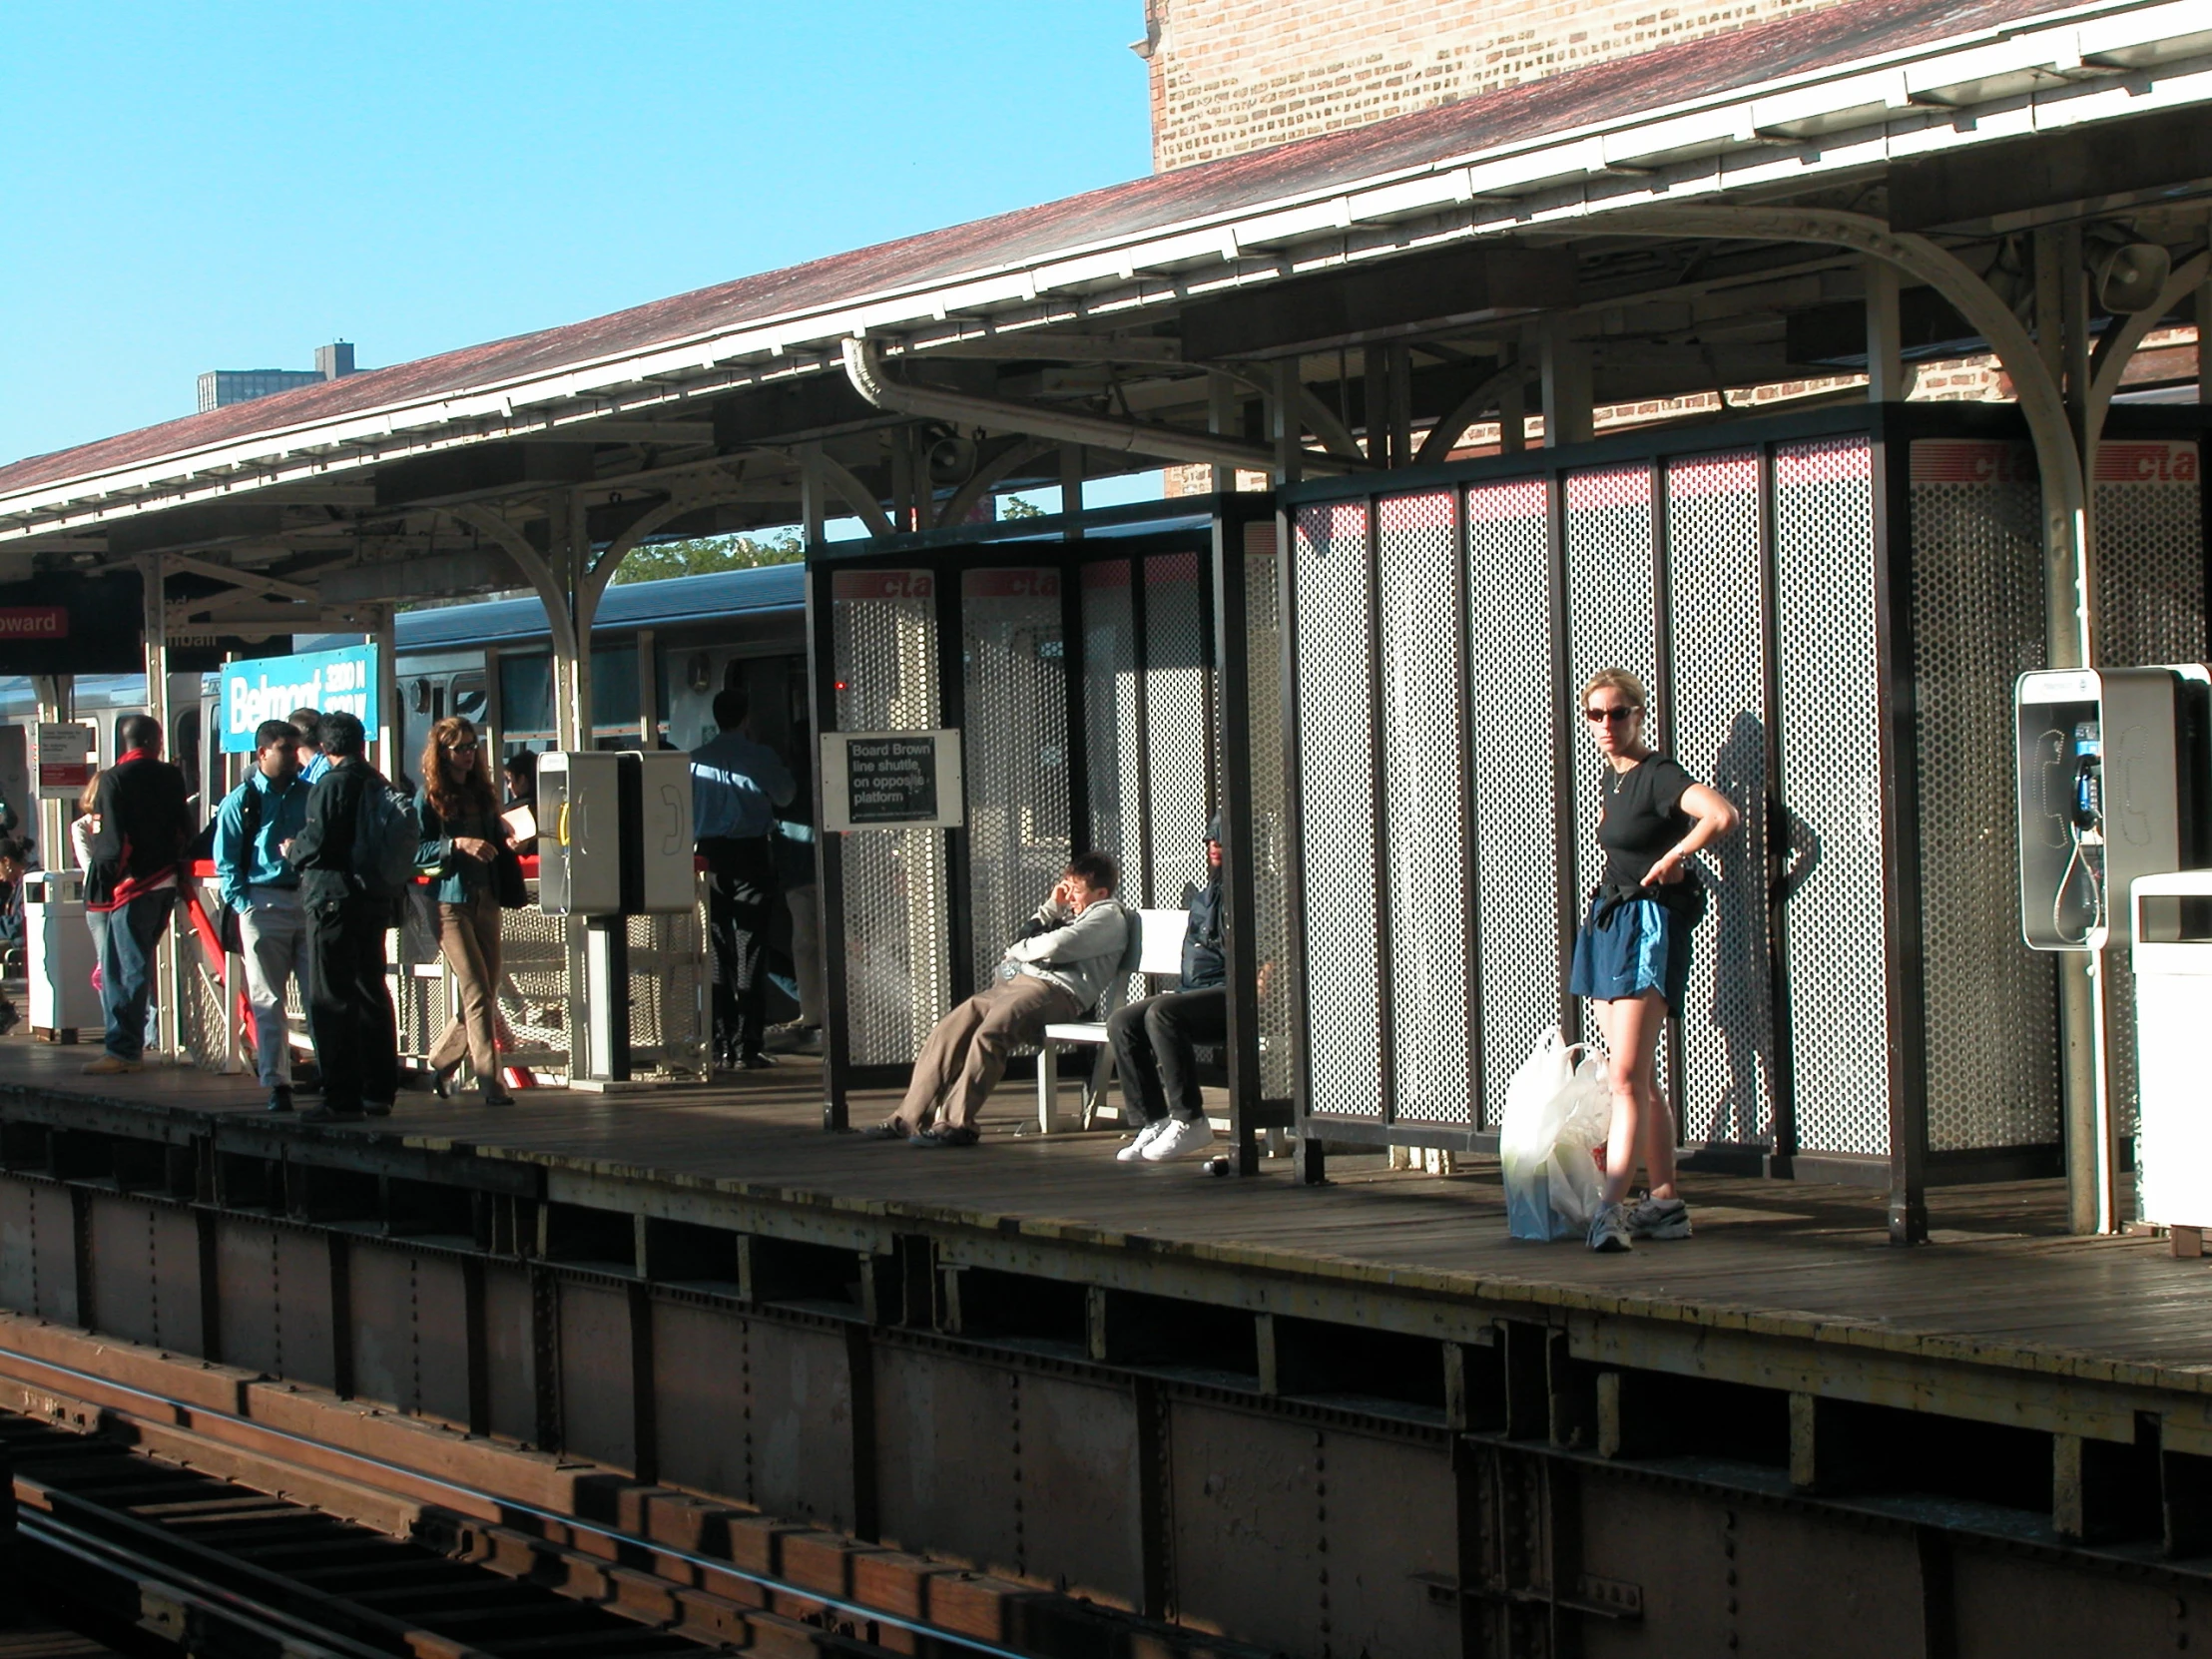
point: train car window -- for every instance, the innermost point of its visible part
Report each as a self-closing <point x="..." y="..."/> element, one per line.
<point x="471" y="696"/>
<point x="614" y="690"/>
<point x="526" y="699"/>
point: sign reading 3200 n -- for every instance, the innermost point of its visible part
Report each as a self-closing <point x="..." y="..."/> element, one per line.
<point x="269" y="687"/>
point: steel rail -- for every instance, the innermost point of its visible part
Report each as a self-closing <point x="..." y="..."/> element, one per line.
<point x="185" y="1412"/>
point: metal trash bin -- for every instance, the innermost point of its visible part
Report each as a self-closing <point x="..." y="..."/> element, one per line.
<point x="2172" y="958"/>
<point x="57" y="949"/>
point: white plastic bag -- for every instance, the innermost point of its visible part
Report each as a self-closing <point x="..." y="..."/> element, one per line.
<point x="1559" y="1107"/>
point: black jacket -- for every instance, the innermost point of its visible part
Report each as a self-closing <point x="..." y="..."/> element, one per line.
<point x="144" y="827"/>
<point x="1205" y="965"/>
<point x="322" y="852"/>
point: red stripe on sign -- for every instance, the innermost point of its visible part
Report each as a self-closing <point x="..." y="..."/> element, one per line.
<point x="882" y="584"/>
<point x="1734" y="475"/>
<point x="1170" y="567"/>
<point x="33" y="622"/>
<point x="1511" y="498"/>
<point x="1827" y="461"/>
<point x="1106" y="573"/>
<point x="2146" y="464"/>
<point x="1609" y="490"/>
<point x="1023" y="583"/>
<point x="1259" y="539"/>
<point x="1972" y="461"/>
<point x="1330" y="523"/>
<point x="1430" y="510"/>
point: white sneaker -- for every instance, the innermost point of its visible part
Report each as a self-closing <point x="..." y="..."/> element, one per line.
<point x="1145" y="1137"/>
<point x="1178" y="1139"/>
<point x="1609" y="1230"/>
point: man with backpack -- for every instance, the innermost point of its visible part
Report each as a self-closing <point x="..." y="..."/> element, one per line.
<point x="132" y="880"/>
<point x="354" y="856"/>
<point x="252" y="827"/>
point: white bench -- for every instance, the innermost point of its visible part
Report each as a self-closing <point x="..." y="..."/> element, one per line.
<point x="1155" y="948"/>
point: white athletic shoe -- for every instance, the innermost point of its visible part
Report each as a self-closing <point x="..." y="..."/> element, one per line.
<point x="1609" y="1230"/>
<point x="1145" y="1137"/>
<point x="1178" y="1140"/>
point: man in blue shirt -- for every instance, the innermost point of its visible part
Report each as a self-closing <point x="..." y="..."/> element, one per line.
<point x="251" y="827"/>
<point x="736" y="785"/>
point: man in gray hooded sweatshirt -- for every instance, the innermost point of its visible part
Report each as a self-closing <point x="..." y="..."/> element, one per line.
<point x="1055" y="970"/>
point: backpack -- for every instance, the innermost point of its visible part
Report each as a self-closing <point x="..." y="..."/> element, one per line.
<point x="387" y="833"/>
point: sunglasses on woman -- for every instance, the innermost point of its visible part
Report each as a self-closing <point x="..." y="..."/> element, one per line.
<point x="1613" y="716"/>
<point x="460" y="748"/>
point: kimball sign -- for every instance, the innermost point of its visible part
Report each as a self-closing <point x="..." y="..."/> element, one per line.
<point x="269" y="687"/>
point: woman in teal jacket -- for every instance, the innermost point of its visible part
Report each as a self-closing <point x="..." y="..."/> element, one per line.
<point x="461" y="837"/>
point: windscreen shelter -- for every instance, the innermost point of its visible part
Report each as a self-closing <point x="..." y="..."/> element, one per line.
<point x="1830" y="612"/>
<point x="1089" y="674"/>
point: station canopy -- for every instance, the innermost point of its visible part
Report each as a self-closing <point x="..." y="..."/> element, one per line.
<point x="1695" y="219"/>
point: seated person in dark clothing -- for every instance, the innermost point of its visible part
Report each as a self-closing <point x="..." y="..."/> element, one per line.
<point x="1156" y="1040"/>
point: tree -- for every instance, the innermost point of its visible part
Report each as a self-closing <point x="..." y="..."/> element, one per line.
<point x="701" y="554"/>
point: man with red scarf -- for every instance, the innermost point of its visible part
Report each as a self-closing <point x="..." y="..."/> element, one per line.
<point x="143" y="829"/>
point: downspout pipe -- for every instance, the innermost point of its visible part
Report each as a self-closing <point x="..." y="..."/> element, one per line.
<point x="863" y="366"/>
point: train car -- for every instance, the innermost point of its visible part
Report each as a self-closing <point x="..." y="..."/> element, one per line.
<point x="659" y="652"/>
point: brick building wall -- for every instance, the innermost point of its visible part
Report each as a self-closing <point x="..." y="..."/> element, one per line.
<point x="1235" y="75"/>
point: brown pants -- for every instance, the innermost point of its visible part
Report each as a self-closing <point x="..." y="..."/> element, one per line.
<point x="469" y="935"/>
<point x="965" y="1055"/>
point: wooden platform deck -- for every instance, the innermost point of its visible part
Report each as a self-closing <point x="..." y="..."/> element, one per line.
<point x="2001" y="1284"/>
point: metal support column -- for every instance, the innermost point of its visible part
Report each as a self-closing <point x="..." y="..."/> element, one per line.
<point x="1567" y="378"/>
<point x="1884" y="334"/>
<point x="154" y="574"/>
<point x="1240" y="934"/>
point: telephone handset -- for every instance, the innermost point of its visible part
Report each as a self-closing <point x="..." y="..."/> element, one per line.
<point x="2088" y="781"/>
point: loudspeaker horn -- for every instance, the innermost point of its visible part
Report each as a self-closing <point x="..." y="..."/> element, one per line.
<point x="2131" y="278"/>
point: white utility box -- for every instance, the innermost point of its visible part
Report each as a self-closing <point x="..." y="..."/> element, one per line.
<point x="2172" y="957"/>
<point x="57" y="949"/>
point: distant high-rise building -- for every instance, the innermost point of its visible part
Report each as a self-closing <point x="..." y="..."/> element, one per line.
<point x="222" y="386"/>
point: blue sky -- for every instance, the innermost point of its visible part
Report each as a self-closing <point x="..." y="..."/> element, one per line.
<point x="194" y="186"/>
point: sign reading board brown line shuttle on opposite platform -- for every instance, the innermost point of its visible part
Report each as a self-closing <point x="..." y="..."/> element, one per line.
<point x="890" y="779"/>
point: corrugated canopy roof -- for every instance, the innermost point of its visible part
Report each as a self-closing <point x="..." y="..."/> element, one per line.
<point x="1669" y="77"/>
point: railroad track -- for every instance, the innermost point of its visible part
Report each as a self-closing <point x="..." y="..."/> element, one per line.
<point x="140" y="1552"/>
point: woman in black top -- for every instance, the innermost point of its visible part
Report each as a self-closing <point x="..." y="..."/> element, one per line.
<point x="1632" y="957"/>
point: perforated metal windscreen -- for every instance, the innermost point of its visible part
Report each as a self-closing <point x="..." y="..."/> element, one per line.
<point x="1274" y="948"/>
<point x="1977" y="622"/>
<point x="1424" y="789"/>
<point x="1337" y="757"/>
<point x="897" y="965"/>
<point x="1611" y="594"/>
<point x="1178" y="723"/>
<point x="1612" y="622"/>
<point x="1112" y="745"/>
<point x="2150" y="608"/>
<point x="1720" y="726"/>
<point x="1015" y="750"/>
<point x="1831" y="838"/>
<point x="1512" y="692"/>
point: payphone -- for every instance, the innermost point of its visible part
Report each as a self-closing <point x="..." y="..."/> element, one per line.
<point x="613" y="841"/>
<point x="2114" y="768"/>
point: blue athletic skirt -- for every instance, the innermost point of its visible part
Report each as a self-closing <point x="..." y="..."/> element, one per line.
<point x="1641" y="947"/>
